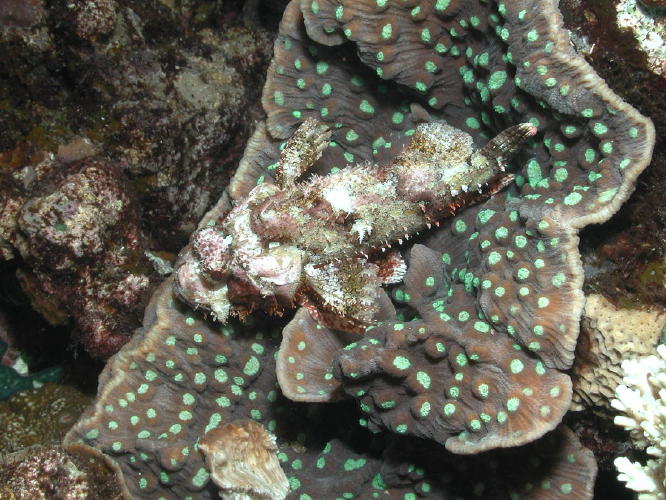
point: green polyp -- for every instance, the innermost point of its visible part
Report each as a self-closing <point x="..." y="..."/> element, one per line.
<point x="497" y="80"/>
<point x="401" y="363"/>
<point x="387" y="31"/>
<point x="590" y="155"/>
<point x="516" y="366"/>
<point x="572" y="199"/>
<point x="351" y="135"/>
<point x="512" y="404"/>
<point x="472" y="123"/>
<point x="481" y="326"/>
<point x="607" y="195"/>
<point x="200" y="478"/>
<point x="440" y="48"/>
<point x="599" y="128"/>
<point x="494" y="258"/>
<point x="607" y="147"/>
<point x="252" y="366"/>
<point x="430" y="66"/>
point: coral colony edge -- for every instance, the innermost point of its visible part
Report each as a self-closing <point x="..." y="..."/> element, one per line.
<point x="449" y="151"/>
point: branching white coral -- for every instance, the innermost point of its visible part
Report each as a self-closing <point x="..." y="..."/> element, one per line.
<point x="642" y="399"/>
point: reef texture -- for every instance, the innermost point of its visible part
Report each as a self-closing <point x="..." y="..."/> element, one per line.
<point x="45" y="473"/>
<point x="79" y="234"/>
<point x="116" y="110"/>
<point x="642" y="400"/>
<point x="182" y="383"/>
<point x="48" y="473"/>
<point x="490" y="308"/>
<point x="610" y="335"/>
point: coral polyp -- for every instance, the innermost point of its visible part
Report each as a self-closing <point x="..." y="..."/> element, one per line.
<point x="323" y="242"/>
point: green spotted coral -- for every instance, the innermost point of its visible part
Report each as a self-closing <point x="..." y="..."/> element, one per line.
<point x="189" y="406"/>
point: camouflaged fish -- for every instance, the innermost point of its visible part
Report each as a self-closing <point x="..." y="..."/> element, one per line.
<point x="325" y="242"/>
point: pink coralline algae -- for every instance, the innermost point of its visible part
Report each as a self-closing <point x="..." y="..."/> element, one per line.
<point x="322" y="243"/>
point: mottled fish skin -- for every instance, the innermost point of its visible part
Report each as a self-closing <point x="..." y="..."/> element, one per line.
<point x="323" y="242"/>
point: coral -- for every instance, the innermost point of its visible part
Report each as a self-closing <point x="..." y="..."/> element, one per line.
<point x="39" y="416"/>
<point x="610" y="335"/>
<point x="183" y="381"/>
<point x="619" y="254"/>
<point x="642" y="399"/>
<point x="309" y="242"/>
<point x="401" y="372"/>
<point x="242" y="460"/>
<point x="178" y="381"/>
<point x="509" y="266"/>
<point x="491" y="303"/>
<point x="14" y="377"/>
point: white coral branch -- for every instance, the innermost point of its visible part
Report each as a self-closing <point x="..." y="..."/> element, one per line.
<point x="642" y="399"/>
